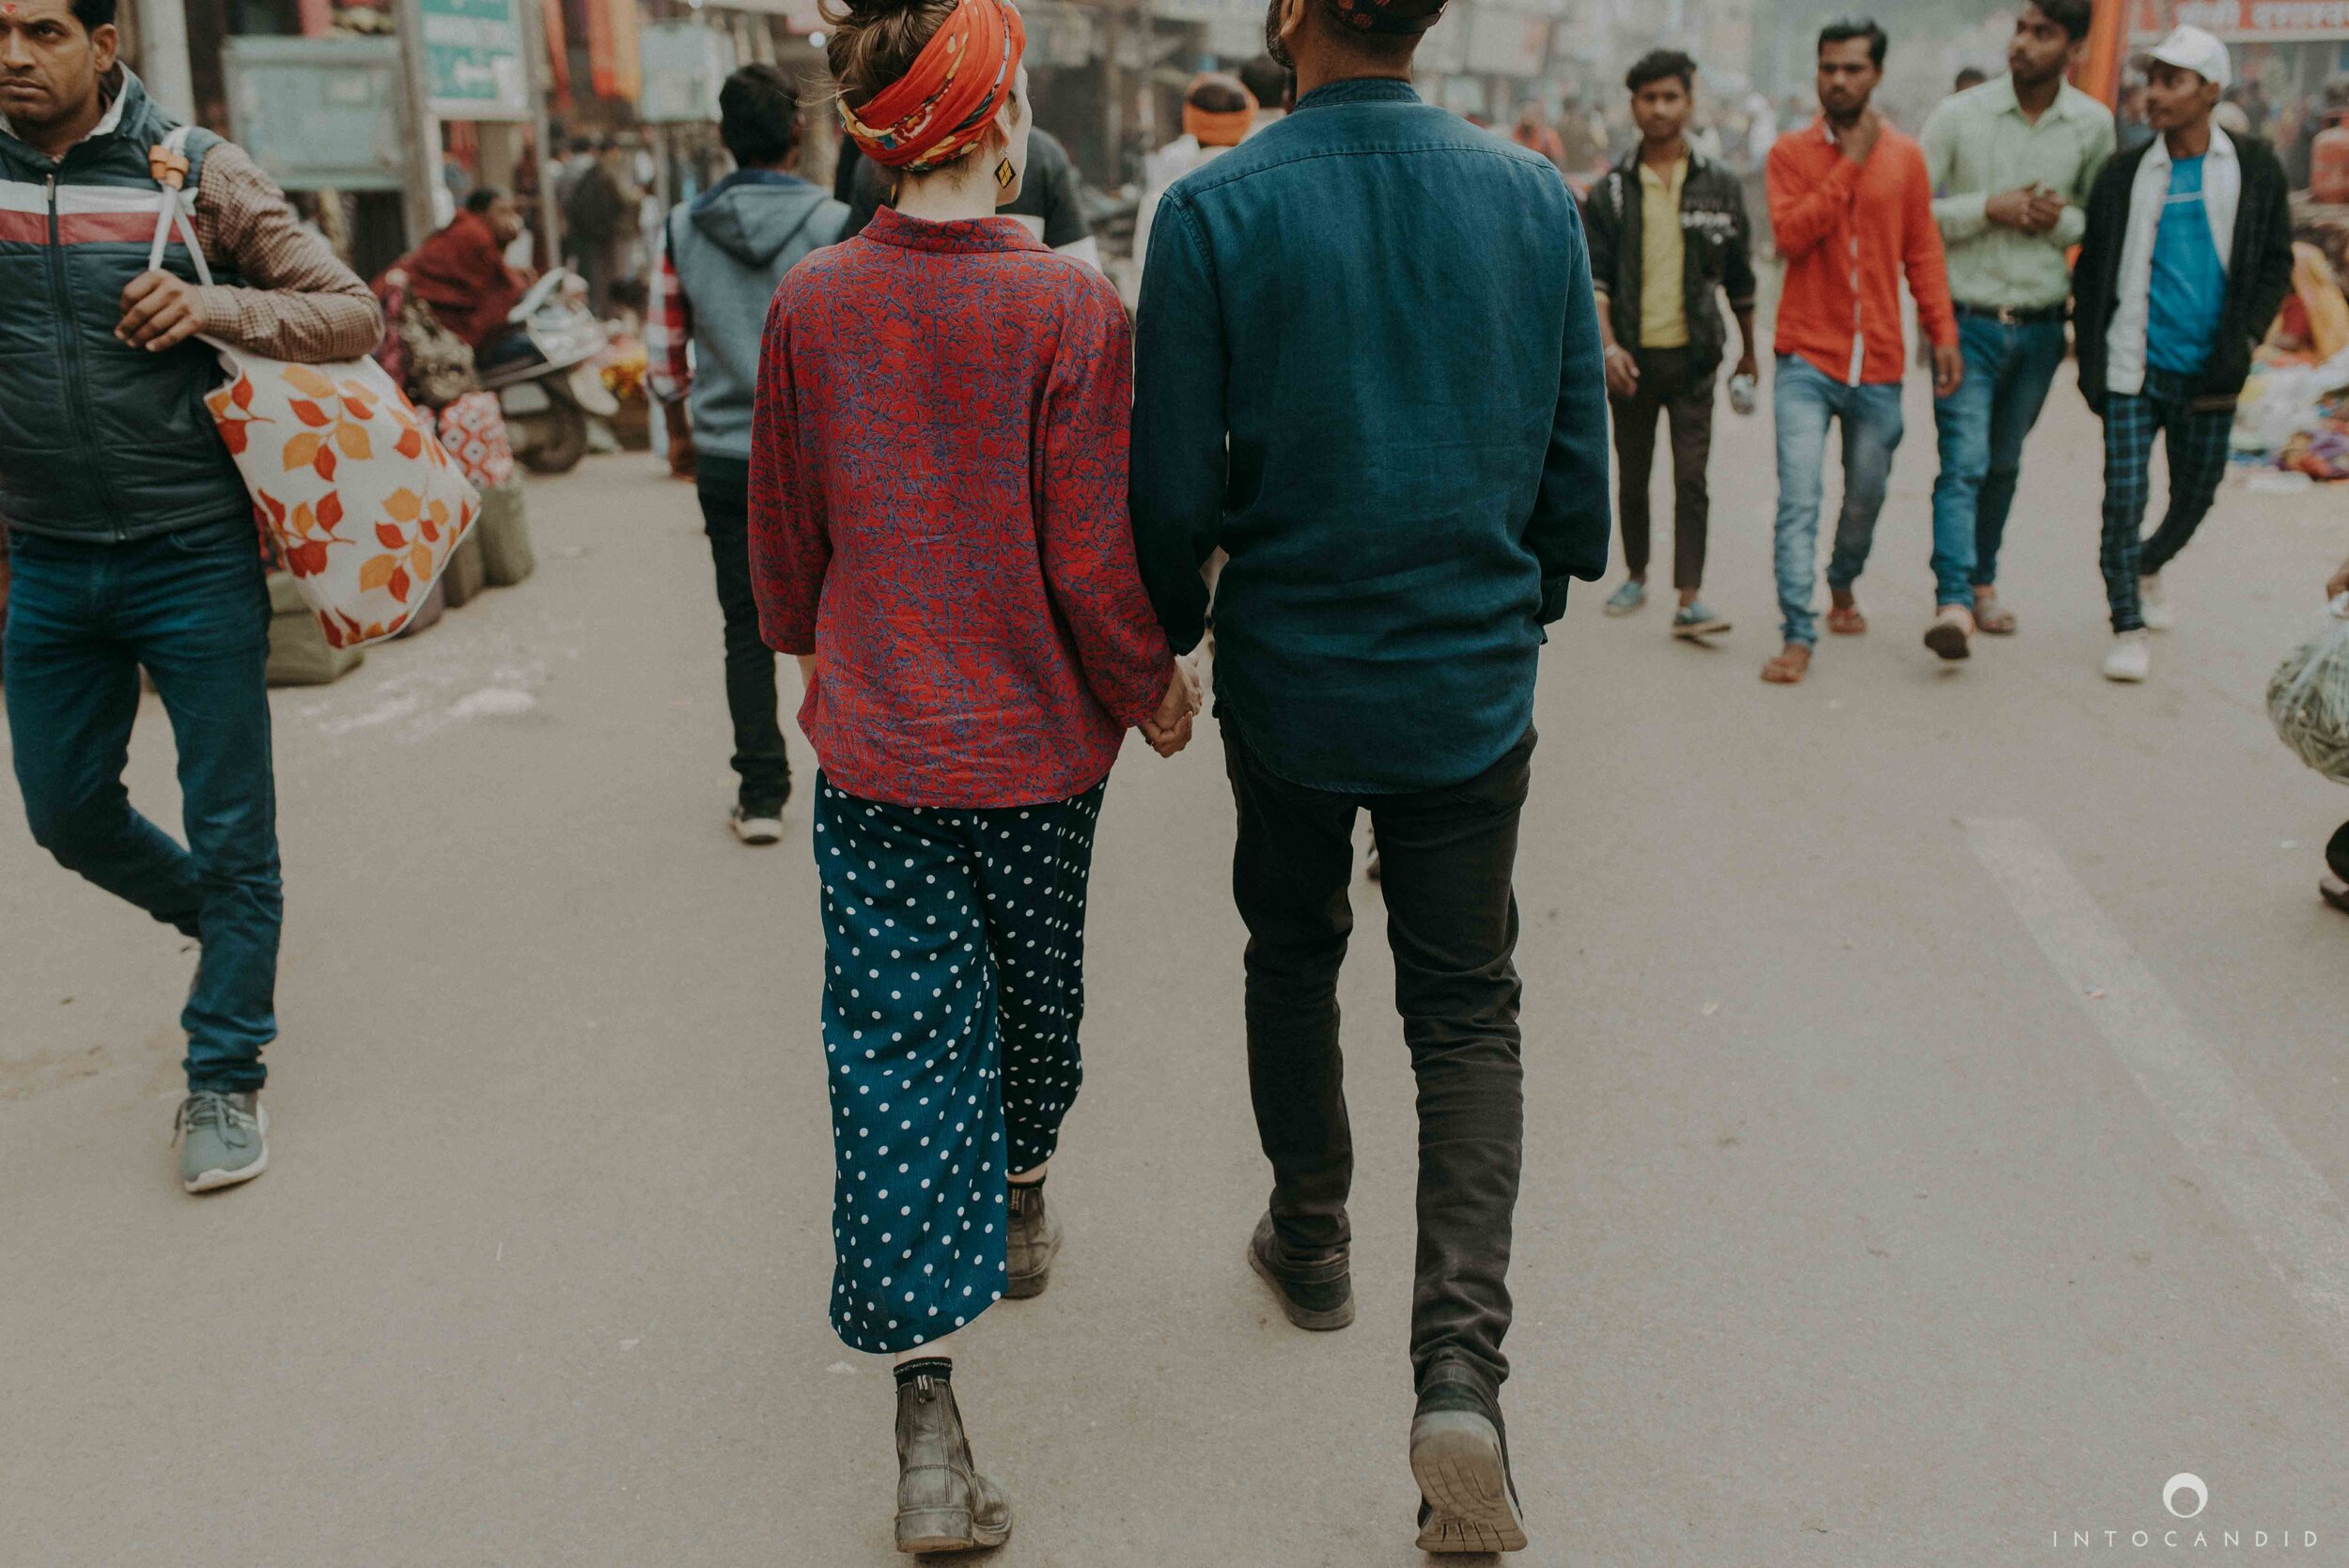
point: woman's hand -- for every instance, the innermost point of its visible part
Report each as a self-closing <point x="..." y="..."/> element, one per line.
<point x="1168" y="730"/>
<point x="2339" y="583"/>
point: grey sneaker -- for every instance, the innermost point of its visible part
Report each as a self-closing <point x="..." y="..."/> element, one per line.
<point x="221" y="1141"/>
<point x="1032" y="1242"/>
<point x="943" y="1503"/>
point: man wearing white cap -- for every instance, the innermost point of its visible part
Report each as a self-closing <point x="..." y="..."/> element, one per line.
<point x="2186" y="259"/>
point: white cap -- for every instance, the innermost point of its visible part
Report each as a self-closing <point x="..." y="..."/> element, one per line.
<point x="2191" y="49"/>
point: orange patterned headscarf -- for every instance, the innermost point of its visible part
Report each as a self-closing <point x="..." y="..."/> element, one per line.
<point x="941" y="108"/>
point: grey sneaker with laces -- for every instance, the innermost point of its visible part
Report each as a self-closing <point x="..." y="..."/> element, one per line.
<point x="220" y="1138"/>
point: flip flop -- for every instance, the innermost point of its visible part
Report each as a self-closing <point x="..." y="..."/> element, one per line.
<point x="1994" y="619"/>
<point x="1788" y="667"/>
<point x="1846" y="623"/>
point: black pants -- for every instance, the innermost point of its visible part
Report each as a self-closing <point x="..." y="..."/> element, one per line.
<point x="1667" y="386"/>
<point x="723" y="485"/>
<point x="1446" y="856"/>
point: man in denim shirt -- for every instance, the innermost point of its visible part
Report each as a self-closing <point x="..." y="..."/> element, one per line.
<point x="1369" y="370"/>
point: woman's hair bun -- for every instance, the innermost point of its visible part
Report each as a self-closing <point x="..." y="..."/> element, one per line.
<point x="874" y="43"/>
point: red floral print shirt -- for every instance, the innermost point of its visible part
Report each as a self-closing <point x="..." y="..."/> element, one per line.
<point x="938" y="513"/>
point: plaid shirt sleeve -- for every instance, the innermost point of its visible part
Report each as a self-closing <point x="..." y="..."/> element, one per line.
<point x="669" y="331"/>
<point x="299" y="302"/>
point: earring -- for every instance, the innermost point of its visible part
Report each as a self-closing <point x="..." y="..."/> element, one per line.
<point x="1006" y="175"/>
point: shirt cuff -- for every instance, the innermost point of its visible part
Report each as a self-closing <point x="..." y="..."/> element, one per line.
<point x="1553" y="601"/>
<point x="1962" y="217"/>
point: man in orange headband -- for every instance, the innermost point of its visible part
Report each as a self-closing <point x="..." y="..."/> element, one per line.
<point x="1217" y="114"/>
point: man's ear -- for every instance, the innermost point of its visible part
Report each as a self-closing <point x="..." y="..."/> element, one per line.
<point x="105" y="44"/>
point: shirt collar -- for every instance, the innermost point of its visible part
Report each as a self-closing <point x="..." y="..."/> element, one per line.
<point x="1360" y="89"/>
<point x="964" y="237"/>
<point x="1681" y="166"/>
<point x="2222" y="149"/>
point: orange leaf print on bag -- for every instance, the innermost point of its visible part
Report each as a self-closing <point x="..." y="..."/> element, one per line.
<point x="390" y="537"/>
<point x="403" y="506"/>
<point x="329" y="510"/>
<point x="232" y="433"/>
<point x="242" y="393"/>
<point x="376" y="571"/>
<point x="310" y="414"/>
<point x="301" y="451"/>
<point x="352" y="439"/>
<point x="324" y="461"/>
<point x="303" y="378"/>
<point x="420" y="560"/>
<point x="398" y="585"/>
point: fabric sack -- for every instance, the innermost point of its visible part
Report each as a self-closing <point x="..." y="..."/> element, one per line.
<point x="363" y="504"/>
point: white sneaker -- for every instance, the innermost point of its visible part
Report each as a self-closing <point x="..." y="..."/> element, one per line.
<point x="2131" y="659"/>
<point x="757" y="826"/>
<point x="2153" y="604"/>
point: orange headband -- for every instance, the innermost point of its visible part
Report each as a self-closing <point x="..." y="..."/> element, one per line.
<point x="941" y="108"/>
<point x="1218" y="129"/>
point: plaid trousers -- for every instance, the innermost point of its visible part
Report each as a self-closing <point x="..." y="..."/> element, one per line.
<point x="2196" y="441"/>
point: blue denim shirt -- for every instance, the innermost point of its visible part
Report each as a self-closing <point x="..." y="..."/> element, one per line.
<point x="1368" y="366"/>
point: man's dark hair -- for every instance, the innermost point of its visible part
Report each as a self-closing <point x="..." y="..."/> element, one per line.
<point x="759" y="117"/>
<point x="1657" y="64"/>
<point x="2074" y="16"/>
<point x="1968" y="76"/>
<point x="1267" y="80"/>
<point x="93" y="14"/>
<point x="1857" y="28"/>
<point x="483" y="198"/>
<point x="1216" y="94"/>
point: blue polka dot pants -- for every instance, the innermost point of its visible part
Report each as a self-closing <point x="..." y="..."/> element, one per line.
<point x="954" y="985"/>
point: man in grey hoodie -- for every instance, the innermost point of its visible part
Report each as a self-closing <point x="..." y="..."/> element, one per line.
<point x="723" y="255"/>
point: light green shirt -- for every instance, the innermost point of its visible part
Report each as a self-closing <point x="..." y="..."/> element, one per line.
<point x="1978" y="145"/>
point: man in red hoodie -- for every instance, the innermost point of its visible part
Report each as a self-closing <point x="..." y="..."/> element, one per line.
<point x="1852" y="208"/>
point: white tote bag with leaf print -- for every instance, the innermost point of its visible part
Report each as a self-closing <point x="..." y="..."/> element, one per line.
<point x="345" y="476"/>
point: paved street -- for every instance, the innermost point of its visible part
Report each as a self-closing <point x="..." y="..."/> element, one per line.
<point x="1937" y="1120"/>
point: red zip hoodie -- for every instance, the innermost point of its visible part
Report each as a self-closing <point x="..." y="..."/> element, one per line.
<point x="1847" y="232"/>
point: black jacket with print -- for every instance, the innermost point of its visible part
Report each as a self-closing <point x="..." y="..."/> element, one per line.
<point x="1717" y="244"/>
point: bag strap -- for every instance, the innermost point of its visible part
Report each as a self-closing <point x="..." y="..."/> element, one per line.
<point x="168" y="163"/>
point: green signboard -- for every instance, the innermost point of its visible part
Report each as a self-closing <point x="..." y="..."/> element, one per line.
<point x="474" y="63"/>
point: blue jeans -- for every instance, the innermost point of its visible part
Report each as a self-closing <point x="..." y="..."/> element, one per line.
<point x="1983" y="424"/>
<point x="190" y="608"/>
<point x="1804" y="401"/>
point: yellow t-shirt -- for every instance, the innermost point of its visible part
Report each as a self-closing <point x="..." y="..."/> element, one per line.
<point x="1663" y="306"/>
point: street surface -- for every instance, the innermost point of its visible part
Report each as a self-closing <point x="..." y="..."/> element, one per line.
<point x="1936" y="1123"/>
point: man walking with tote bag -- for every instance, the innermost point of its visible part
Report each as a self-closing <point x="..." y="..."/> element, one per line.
<point x="132" y="534"/>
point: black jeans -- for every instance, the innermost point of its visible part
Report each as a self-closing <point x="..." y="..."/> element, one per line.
<point x="1666" y="386"/>
<point x="723" y="485"/>
<point x="1446" y="857"/>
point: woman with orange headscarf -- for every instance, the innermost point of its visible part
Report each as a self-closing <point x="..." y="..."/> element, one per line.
<point x="938" y="531"/>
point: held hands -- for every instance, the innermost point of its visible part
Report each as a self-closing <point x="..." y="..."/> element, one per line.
<point x="1949" y="368"/>
<point x="159" y="312"/>
<point x="1622" y="371"/>
<point x="1168" y="730"/>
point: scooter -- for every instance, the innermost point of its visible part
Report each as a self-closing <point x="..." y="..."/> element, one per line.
<point x="547" y="385"/>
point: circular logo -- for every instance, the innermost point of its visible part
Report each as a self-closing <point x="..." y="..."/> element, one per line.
<point x="2188" y="1482"/>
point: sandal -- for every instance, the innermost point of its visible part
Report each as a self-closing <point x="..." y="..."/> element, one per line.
<point x="1847" y="621"/>
<point x="2333" y="890"/>
<point x="1791" y="664"/>
<point x="1991" y="618"/>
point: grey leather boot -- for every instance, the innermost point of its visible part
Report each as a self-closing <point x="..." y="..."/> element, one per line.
<point x="944" y="1504"/>
<point x="1031" y="1242"/>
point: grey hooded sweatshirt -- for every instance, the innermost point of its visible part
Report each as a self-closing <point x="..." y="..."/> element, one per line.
<point x="731" y="247"/>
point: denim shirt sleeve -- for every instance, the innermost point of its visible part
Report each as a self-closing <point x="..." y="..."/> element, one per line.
<point x="1570" y="524"/>
<point x="1177" y="475"/>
